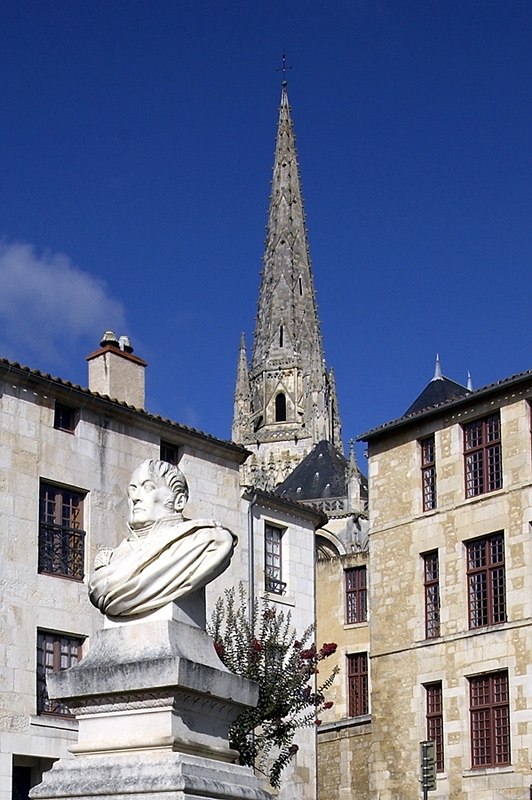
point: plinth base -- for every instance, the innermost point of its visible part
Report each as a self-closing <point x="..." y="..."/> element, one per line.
<point x="168" y="776"/>
<point x="154" y="704"/>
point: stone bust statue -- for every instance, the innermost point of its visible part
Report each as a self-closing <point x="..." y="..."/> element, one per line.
<point x="164" y="556"/>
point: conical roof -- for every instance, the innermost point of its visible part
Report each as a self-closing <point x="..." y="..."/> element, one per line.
<point x="437" y="391"/>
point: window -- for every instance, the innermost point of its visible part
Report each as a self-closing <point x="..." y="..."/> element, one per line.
<point x="486" y="581"/>
<point x="272" y="559"/>
<point x="65" y="418"/>
<point x="356" y="595"/>
<point x="281" y="335"/>
<point x="55" y="651"/>
<point x="483" y="455"/>
<point x="280" y="407"/>
<point x="490" y="720"/>
<point x="357" y="678"/>
<point x="428" y="473"/>
<point x="434" y="712"/>
<point x="169" y="452"/>
<point x="61" y="538"/>
<point x="432" y="594"/>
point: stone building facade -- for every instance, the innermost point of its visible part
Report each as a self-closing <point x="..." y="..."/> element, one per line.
<point x="344" y="736"/>
<point x="450" y="601"/>
<point x="66" y="456"/>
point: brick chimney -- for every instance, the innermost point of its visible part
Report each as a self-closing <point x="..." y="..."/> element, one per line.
<point x="116" y="372"/>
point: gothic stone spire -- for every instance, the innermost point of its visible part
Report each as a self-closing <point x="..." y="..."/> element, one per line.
<point x="293" y="399"/>
<point x="287" y="325"/>
<point x="242" y="402"/>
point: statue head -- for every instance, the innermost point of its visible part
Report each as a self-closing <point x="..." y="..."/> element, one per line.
<point x="156" y="489"/>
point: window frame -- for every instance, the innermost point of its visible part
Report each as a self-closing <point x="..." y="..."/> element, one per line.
<point x="486" y="581"/>
<point x="428" y="472"/>
<point x="45" y="706"/>
<point x="431" y="585"/>
<point x="356" y="595"/>
<point x="169" y="449"/>
<point x="434" y="720"/>
<point x="65" y="417"/>
<point x="357" y="685"/>
<point x="61" y="547"/>
<point x="490" y="720"/>
<point x="483" y="471"/>
<point x="273" y="559"/>
<point x="280" y="407"/>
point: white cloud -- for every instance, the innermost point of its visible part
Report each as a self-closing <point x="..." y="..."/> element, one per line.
<point x="48" y="306"/>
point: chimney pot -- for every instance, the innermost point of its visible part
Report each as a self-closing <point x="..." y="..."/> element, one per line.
<point x="109" y="339"/>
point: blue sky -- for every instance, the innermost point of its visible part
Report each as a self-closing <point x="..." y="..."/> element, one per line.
<point x="136" y="148"/>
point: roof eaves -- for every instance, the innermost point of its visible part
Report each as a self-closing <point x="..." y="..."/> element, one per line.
<point x="270" y="500"/>
<point x="120" y="405"/>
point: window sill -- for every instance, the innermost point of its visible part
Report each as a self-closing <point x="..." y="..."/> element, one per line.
<point x="348" y="626"/>
<point x="71" y="578"/>
<point x="50" y="721"/>
<point x="347" y="722"/>
<point x="285" y="600"/>
<point x="470" y="773"/>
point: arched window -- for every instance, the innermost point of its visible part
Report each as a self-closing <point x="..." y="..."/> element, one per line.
<point x="280" y="408"/>
<point x="300" y="282"/>
<point x="281" y="337"/>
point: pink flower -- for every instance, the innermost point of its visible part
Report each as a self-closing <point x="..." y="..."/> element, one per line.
<point x="257" y="647"/>
<point x="328" y="649"/>
<point x="317" y="722"/>
<point x="219" y="649"/>
<point x="328" y="705"/>
<point x="293" y="749"/>
<point x="310" y="653"/>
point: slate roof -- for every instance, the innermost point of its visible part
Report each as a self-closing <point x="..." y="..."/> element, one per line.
<point x="321" y="474"/>
<point x="414" y="416"/>
<point x="437" y="391"/>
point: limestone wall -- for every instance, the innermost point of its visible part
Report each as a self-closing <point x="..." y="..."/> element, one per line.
<point x="343" y="742"/>
<point x="402" y="659"/>
<point x="96" y="459"/>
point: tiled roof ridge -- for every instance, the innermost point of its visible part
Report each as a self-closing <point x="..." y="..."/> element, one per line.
<point x="120" y="403"/>
<point x="448" y="402"/>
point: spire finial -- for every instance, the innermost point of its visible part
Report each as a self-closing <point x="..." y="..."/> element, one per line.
<point x="469" y="382"/>
<point x="283" y="69"/>
<point x="437" y="371"/>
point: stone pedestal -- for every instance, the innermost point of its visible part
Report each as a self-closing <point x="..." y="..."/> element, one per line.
<point x="154" y="704"/>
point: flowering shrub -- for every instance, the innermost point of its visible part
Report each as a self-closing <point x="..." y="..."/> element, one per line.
<point x="266" y="650"/>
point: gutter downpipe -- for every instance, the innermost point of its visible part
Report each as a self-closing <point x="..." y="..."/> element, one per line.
<point x="251" y="572"/>
<point x="251" y="559"/>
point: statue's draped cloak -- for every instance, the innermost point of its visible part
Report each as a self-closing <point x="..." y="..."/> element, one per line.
<point x="174" y="558"/>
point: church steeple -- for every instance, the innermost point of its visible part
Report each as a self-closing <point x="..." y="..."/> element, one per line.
<point x="293" y="403"/>
<point x="287" y="326"/>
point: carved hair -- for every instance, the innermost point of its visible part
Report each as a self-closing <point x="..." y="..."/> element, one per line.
<point x="172" y="476"/>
